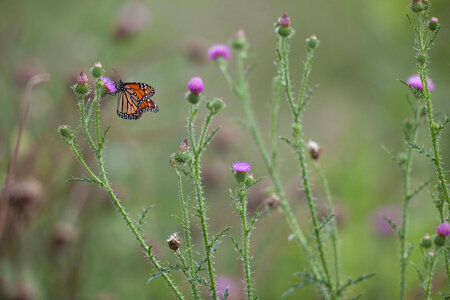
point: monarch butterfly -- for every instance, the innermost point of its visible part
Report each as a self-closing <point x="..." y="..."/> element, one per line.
<point x="134" y="99"/>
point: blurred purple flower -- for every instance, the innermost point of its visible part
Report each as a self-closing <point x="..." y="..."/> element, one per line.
<point x="195" y="85"/>
<point x="416" y="83"/>
<point x="219" y="50"/>
<point x="381" y="226"/>
<point x="82" y="78"/>
<point x="109" y="85"/>
<point x="242" y="166"/>
<point x="133" y="17"/>
<point x="222" y="283"/>
<point x="284" y="20"/>
<point x="443" y="229"/>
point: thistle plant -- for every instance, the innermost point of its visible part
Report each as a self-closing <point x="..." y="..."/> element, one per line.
<point x="89" y="109"/>
<point x="320" y="272"/>
<point x="187" y="163"/>
<point x="426" y="29"/>
<point x="239" y="197"/>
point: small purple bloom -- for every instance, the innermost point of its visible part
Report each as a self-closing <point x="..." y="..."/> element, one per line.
<point x="242" y="166"/>
<point x="219" y="51"/>
<point x="82" y="78"/>
<point x="379" y="222"/>
<point x="109" y="85"/>
<point x="443" y="229"/>
<point x="284" y="20"/>
<point x="195" y="85"/>
<point x="416" y="83"/>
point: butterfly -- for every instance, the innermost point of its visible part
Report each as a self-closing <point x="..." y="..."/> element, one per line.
<point x="134" y="99"/>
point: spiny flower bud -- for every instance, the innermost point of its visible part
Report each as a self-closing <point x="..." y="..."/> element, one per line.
<point x="312" y="42"/>
<point x="314" y="149"/>
<point x="250" y="180"/>
<point x="184" y="146"/>
<point x="183" y="157"/>
<point x="417" y="6"/>
<point x="174" y="242"/>
<point x="65" y="132"/>
<point x="433" y="24"/>
<point x="81" y="87"/>
<point x="239" y="41"/>
<point x="216" y="105"/>
<point x="97" y="70"/>
<point x="426" y="241"/>
<point x="422" y="57"/>
<point x="284" y="26"/>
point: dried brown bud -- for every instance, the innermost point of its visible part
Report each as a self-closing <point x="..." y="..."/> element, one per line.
<point x="314" y="149"/>
<point x="184" y="146"/>
<point x="174" y="242"/>
<point x="63" y="236"/>
<point x="24" y="194"/>
<point x="271" y="202"/>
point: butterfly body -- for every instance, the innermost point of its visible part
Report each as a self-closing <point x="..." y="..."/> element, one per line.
<point x="134" y="99"/>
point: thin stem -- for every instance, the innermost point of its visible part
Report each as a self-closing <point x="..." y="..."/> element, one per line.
<point x="246" y="241"/>
<point x="199" y="195"/>
<point x="276" y="87"/>
<point x="97" y="110"/>
<point x="411" y="138"/>
<point x="334" y="233"/>
<point x="83" y="163"/>
<point x="297" y="134"/>
<point x="283" y="56"/>
<point x="312" y="208"/>
<point x="187" y="236"/>
<point x="429" y="275"/>
<point x="307" y="70"/>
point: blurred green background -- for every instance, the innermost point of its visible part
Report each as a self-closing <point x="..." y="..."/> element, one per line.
<point x="358" y="107"/>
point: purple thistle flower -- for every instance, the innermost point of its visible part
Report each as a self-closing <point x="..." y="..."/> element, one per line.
<point x="242" y="166"/>
<point x="443" y="229"/>
<point x="109" y="85"/>
<point x="219" y="50"/>
<point x="416" y="83"/>
<point x="195" y="85"/>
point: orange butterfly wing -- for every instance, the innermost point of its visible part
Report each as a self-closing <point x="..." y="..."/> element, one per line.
<point x="134" y="100"/>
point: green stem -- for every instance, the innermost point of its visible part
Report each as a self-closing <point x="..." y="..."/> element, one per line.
<point x="334" y="234"/>
<point x="312" y="208"/>
<point x="307" y="70"/>
<point x="187" y="235"/>
<point x="199" y="194"/>
<point x="246" y="242"/>
<point x="97" y="110"/>
<point x="82" y="162"/>
<point x="429" y="276"/>
<point x="411" y="138"/>
<point x="244" y="96"/>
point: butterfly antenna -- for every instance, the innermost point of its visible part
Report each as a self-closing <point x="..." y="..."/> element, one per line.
<point x="117" y="74"/>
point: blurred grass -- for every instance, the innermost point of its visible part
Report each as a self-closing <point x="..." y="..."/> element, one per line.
<point x="359" y="106"/>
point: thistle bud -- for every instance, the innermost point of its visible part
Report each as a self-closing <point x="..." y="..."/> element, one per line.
<point x="97" y="70"/>
<point x="195" y="86"/>
<point x="174" y="242"/>
<point x="312" y="42"/>
<point x="422" y="57"/>
<point x="82" y="87"/>
<point x="284" y="25"/>
<point x="184" y="146"/>
<point x="216" y="105"/>
<point x="250" y="180"/>
<point x="433" y="24"/>
<point x="239" y="41"/>
<point x="65" y="132"/>
<point x="426" y="241"/>
<point x="417" y="6"/>
<point x="240" y="169"/>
